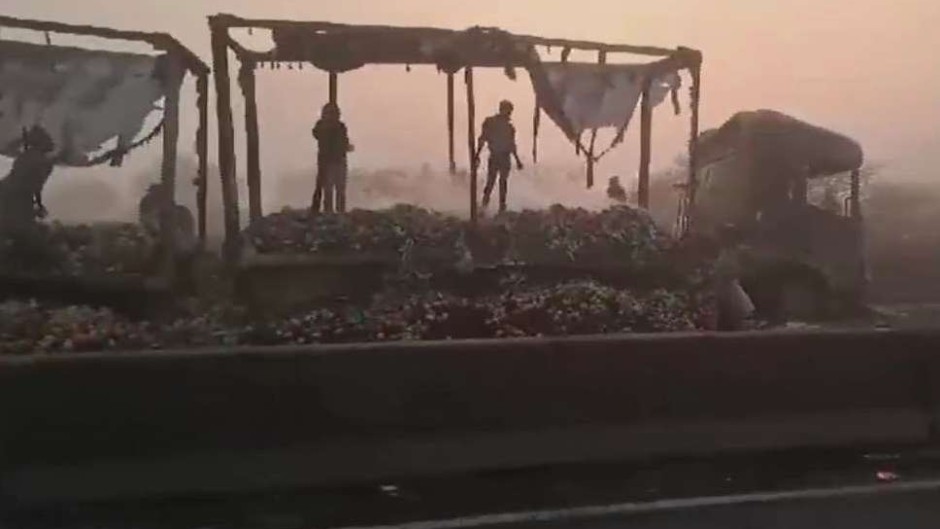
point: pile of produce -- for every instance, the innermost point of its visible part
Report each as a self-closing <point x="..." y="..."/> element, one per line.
<point x="618" y="236"/>
<point x="400" y="232"/>
<point x="79" y="250"/>
<point x="409" y="307"/>
<point x="581" y="307"/>
<point x="28" y="327"/>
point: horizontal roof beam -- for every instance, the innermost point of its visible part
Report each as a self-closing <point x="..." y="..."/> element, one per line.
<point x="160" y="41"/>
<point x="596" y="46"/>
<point x="231" y="21"/>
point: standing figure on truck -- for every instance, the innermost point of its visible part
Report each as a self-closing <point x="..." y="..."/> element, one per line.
<point x="332" y="148"/>
<point x="21" y="190"/>
<point x="499" y="135"/>
<point x="615" y="190"/>
<point x="185" y="244"/>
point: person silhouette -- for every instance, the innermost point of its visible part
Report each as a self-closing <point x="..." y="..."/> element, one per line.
<point x="332" y="149"/>
<point x="499" y="135"/>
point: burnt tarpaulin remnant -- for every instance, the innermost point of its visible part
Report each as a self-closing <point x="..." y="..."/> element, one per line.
<point x="584" y="96"/>
<point x="93" y="96"/>
<point x="581" y="97"/>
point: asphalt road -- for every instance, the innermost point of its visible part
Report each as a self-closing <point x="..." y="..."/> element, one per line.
<point x="909" y="506"/>
<point x="890" y="488"/>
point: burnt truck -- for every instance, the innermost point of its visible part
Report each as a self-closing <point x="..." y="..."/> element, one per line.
<point x="800" y="260"/>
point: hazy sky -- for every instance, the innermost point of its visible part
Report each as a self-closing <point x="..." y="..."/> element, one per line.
<point x="868" y="68"/>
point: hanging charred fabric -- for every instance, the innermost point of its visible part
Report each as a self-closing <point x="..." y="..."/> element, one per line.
<point x="90" y="107"/>
<point x="338" y="48"/>
<point x="582" y="97"/>
<point x="103" y="107"/>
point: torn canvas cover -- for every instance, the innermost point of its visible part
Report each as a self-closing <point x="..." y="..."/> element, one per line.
<point x="91" y="96"/>
<point x="585" y="96"/>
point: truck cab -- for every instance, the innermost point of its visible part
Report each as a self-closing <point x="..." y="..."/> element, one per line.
<point x="803" y="261"/>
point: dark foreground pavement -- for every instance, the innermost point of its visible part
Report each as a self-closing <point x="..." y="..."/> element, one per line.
<point x="803" y="489"/>
<point x="742" y="430"/>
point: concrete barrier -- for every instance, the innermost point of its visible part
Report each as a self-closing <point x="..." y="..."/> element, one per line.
<point x="124" y="425"/>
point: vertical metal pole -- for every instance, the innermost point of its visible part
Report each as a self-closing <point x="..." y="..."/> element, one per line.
<point x="223" y="99"/>
<point x="856" y="212"/>
<point x="536" y="123"/>
<point x="692" y="186"/>
<point x="171" y="113"/>
<point x="450" y="124"/>
<point x="202" y="153"/>
<point x="646" y="126"/>
<point x="246" y="79"/>
<point x="855" y="199"/>
<point x="590" y="159"/>
<point x="331" y="193"/>
<point x="334" y="82"/>
<point x="471" y="141"/>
